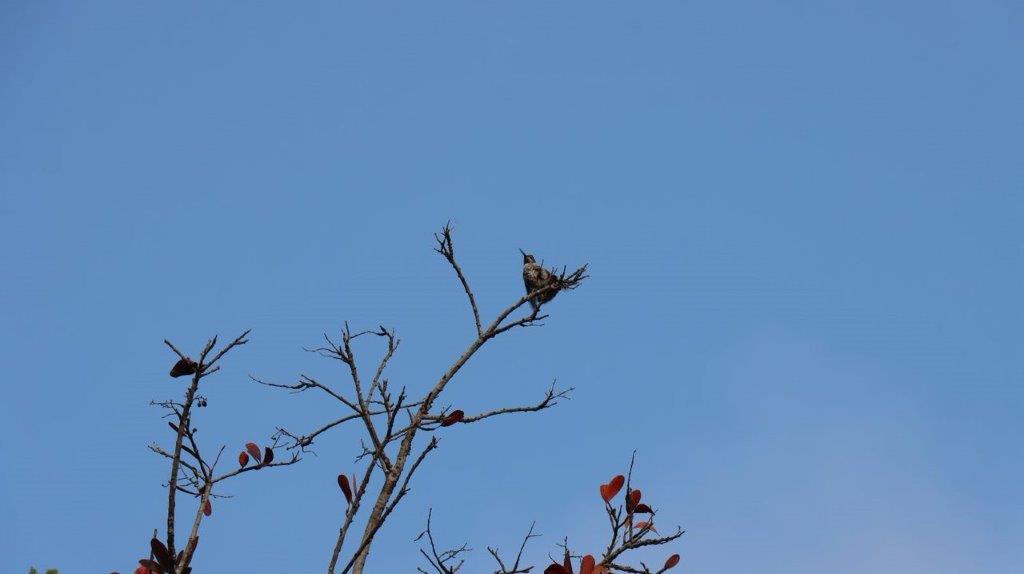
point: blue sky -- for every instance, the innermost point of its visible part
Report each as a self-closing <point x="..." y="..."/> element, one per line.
<point x="803" y="221"/>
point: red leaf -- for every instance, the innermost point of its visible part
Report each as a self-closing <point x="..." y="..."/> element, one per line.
<point x="632" y="500"/>
<point x="345" y="488"/>
<point x="142" y="570"/>
<point x="254" y="451"/>
<point x="243" y="459"/>
<point x="453" y="418"/>
<point x="643" y="509"/>
<point x="183" y="367"/>
<point x="644" y="524"/>
<point x="671" y="562"/>
<point x="161" y="553"/>
<point x="617" y="482"/>
<point x="207" y="508"/>
<point x="555" y="569"/>
<point x="149" y="567"/>
<point x="268" y="455"/>
<point x="587" y="565"/>
<point x="608" y="491"/>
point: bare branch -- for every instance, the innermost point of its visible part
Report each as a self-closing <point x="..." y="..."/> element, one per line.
<point x="351" y="512"/>
<point x="629" y="569"/>
<point x="565" y="281"/>
<point x="363" y="409"/>
<point x="446" y="247"/>
<point x="366" y="405"/>
<point x="157" y="449"/>
<point x="239" y="340"/>
<point x="634" y="544"/>
<point x="441" y="562"/>
<point x="392" y="347"/>
<point x="551" y="398"/>
<point x="368" y="536"/>
<point x="175" y="349"/>
<point x="301" y="442"/>
<point x="516" y="569"/>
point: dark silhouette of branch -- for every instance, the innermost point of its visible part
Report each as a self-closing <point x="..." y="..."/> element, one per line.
<point x="441" y="562"/>
<point x="389" y="441"/>
<point x="551" y="398"/>
<point x="446" y="247"/>
<point x="391" y="422"/>
<point x="515" y="569"/>
<point x="186" y="454"/>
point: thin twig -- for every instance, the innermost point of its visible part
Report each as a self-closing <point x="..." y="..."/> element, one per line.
<point x="446" y="247"/>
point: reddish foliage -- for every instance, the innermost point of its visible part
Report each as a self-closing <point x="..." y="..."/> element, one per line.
<point x="268" y="455"/>
<point x="608" y="491"/>
<point x="644" y="524"/>
<point x="453" y="418"/>
<point x="587" y="565"/>
<point x="183" y="367"/>
<point x="254" y="451"/>
<point x="671" y="562"/>
<point x="243" y="459"/>
<point x="207" y="508"/>
<point x="632" y="500"/>
<point x="160" y="552"/>
<point x="345" y="488"/>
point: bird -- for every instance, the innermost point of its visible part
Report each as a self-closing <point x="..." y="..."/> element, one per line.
<point x="536" y="277"/>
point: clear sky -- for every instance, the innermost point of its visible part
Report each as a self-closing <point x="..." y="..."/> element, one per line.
<point x="803" y="221"/>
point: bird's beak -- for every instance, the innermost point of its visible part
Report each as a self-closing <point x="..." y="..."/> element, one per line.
<point x="523" y="252"/>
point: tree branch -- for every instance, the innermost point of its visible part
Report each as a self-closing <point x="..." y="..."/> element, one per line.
<point x="550" y="399"/>
<point x="446" y="247"/>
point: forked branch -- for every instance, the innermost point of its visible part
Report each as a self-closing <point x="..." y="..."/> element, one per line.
<point x="389" y="441"/>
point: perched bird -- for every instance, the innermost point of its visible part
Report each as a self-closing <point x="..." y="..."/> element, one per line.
<point x="536" y="277"/>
